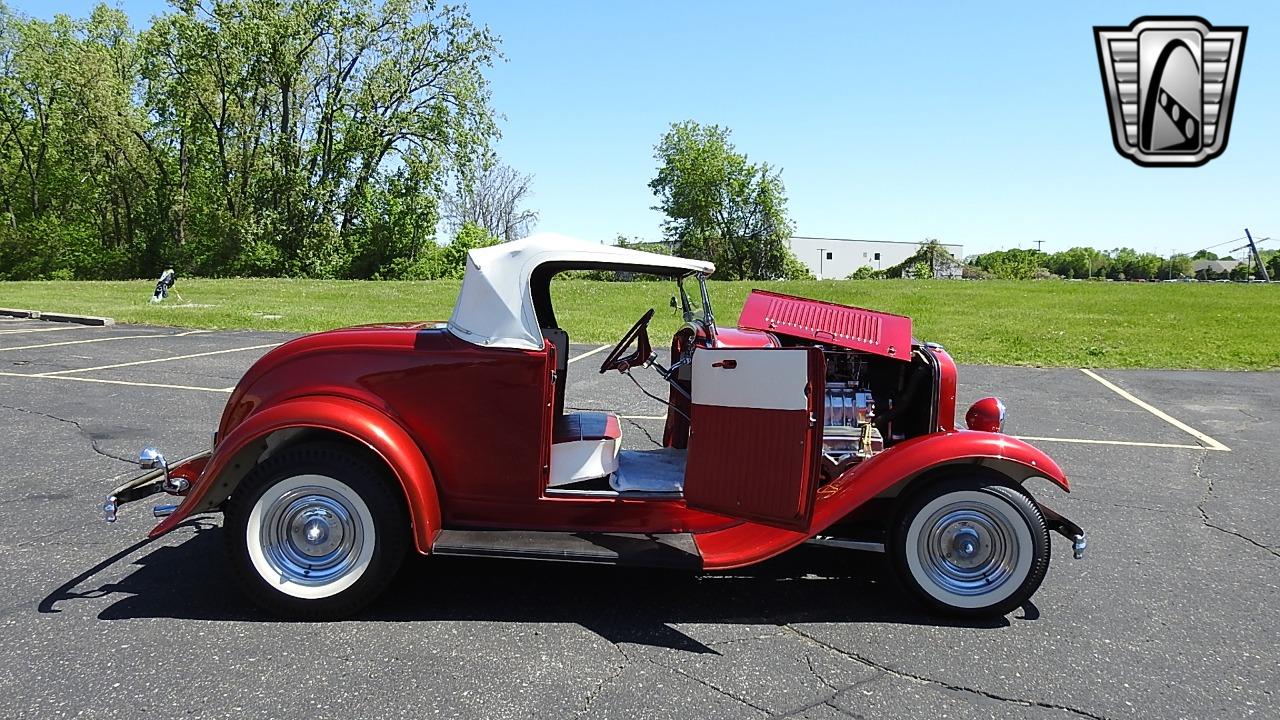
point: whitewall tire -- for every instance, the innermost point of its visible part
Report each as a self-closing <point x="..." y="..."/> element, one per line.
<point x="973" y="546"/>
<point x="316" y="531"/>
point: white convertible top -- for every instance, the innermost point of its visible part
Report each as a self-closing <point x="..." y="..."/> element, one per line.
<point x="495" y="305"/>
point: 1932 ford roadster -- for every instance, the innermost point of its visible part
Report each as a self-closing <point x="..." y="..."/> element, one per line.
<point x="340" y="452"/>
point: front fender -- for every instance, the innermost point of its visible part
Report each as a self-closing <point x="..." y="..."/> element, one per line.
<point x="365" y="424"/>
<point x="894" y="468"/>
<point x="883" y="474"/>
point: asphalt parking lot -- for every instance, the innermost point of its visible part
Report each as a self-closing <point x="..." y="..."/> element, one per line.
<point x="1172" y="615"/>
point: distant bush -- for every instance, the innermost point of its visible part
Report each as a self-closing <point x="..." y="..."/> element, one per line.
<point x="793" y="269"/>
<point x="439" y="262"/>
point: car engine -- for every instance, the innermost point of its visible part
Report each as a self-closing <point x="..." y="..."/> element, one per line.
<point x="849" y="432"/>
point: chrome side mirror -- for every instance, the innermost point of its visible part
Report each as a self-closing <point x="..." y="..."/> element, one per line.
<point x="150" y="459"/>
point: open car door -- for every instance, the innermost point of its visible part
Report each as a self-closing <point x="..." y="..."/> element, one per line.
<point x="754" y="434"/>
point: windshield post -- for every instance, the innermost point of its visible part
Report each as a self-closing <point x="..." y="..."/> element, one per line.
<point x="707" y="316"/>
<point x="685" y="307"/>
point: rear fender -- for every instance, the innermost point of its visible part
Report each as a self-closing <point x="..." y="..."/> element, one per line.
<point x="267" y="431"/>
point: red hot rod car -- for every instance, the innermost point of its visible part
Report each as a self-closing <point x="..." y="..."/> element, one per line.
<point x="340" y="452"/>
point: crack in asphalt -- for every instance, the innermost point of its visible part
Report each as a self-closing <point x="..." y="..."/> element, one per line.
<point x="1126" y="506"/>
<point x="600" y="686"/>
<point x="711" y="686"/>
<point x="809" y="661"/>
<point x="731" y="641"/>
<point x="1251" y="416"/>
<point x="885" y="669"/>
<point x="1207" y="495"/>
<point x="829" y="700"/>
<point x="595" y="691"/>
<point x="93" y="442"/>
<point x="644" y="430"/>
<point x="33" y="540"/>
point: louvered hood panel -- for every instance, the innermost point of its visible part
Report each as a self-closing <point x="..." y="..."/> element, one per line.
<point x="850" y="327"/>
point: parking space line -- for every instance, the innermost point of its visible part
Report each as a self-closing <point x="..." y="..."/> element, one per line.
<point x="16" y="331"/>
<point x="1126" y="443"/>
<point x="115" y="382"/>
<point x="153" y="360"/>
<point x="1208" y="441"/>
<point x="588" y="353"/>
<point x="98" y="340"/>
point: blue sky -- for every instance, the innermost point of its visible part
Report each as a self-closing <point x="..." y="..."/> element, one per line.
<point x="982" y="125"/>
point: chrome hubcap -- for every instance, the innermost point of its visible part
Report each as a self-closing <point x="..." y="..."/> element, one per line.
<point x="311" y="535"/>
<point x="968" y="548"/>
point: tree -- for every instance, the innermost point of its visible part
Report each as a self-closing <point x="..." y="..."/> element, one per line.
<point x="1078" y="262"/>
<point x="1129" y="264"/>
<point x="1243" y="271"/>
<point x="1012" y="264"/>
<point x="930" y="260"/>
<point x="1205" y="255"/>
<point x="300" y="137"/>
<point x="719" y="206"/>
<point x="491" y="199"/>
<point x="1179" y="266"/>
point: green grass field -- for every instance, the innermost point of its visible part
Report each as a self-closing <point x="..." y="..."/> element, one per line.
<point x="1112" y="325"/>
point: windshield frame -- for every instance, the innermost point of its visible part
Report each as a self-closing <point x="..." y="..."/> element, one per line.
<point x="708" y="319"/>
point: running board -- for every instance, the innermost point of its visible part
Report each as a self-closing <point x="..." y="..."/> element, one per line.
<point x="667" y="550"/>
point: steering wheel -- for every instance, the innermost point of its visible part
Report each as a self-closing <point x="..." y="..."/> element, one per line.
<point x="640" y="331"/>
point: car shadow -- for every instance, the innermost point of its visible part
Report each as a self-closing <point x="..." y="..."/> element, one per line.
<point x="193" y="581"/>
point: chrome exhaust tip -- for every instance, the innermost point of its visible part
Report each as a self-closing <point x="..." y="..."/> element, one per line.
<point x="1078" y="544"/>
<point x="163" y="510"/>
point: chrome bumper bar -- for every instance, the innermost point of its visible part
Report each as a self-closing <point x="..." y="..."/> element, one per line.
<point x="155" y="480"/>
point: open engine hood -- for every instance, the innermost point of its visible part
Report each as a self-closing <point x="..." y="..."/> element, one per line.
<point x="849" y="327"/>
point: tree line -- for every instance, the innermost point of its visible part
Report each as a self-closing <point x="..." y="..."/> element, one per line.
<point x="1084" y="263"/>
<point x="241" y="137"/>
<point x="331" y="139"/>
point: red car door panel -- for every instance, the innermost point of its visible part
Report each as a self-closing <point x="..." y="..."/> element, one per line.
<point x="755" y="428"/>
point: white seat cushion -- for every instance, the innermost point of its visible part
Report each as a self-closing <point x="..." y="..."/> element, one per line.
<point x="584" y="446"/>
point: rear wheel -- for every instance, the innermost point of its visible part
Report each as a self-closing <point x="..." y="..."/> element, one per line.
<point x="316" y="532"/>
<point x="971" y="546"/>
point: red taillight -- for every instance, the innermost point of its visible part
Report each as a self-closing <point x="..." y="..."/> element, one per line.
<point x="986" y="415"/>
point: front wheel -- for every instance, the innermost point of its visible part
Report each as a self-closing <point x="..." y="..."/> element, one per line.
<point x="971" y="546"/>
<point x="316" y="532"/>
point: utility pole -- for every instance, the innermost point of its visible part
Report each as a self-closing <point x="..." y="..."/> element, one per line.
<point x="1254" y="247"/>
<point x="822" y="254"/>
<point x="1038" y="244"/>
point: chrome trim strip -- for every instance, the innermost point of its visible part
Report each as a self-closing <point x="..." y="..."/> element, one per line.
<point x="846" y="544"/>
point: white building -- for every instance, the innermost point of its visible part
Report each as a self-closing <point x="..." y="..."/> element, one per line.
<point x="837" y="258"/>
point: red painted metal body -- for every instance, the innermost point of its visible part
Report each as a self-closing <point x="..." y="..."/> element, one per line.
<point x="350" y="418"/>
<point x="750" y="543"/>
<point x="848" y="327"/>
<point x="435" y="407"/>
<point x="426" y="399"/>
<point x="946" y="387"/>
<point x="780" y="445"/>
